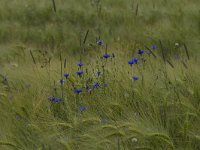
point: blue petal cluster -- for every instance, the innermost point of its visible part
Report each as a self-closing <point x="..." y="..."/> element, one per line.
<point x="140" y="52"/>
<point x="154" y="47"/>
<point x="80" y="72"/>
<point x="66" y="75"/>
<point x="78" y="91"/>
<point x="80" y="64"/>
<point x="55" y="99"/>
<point x="135" y="78"/>
<point x="133" y="61"/>
<point x="82" y="108"/>
<point x="96" y="85"/>
<point x="106" y="56"/>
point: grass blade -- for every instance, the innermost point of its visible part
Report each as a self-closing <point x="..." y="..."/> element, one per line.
<point x="162" y="50"/>
<point x="170" y="63"/>
<point x="151" y="52"/>
<point x="65" y="62"/>
<point x="186" y="50"/>
<point x="86" y="35"/>
<point x="54" y="5"/>
<point x="33" y="57"/>
<point x="137" y="8"/>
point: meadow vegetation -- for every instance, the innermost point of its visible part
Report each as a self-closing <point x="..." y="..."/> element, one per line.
<point x="100" y="74"/>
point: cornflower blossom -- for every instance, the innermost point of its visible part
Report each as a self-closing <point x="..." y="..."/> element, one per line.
<point x="66" y="75"/>
<point x="82" y="108"/>
<point x="55" y="99"/>
<point x="135" y="78"/>
<point x="80" y="72"/>
<point x="78" y="91"/>
<point x="80" y="64"/>
<point x="154" y="47"/>
<point x="140" y="52"/>
<point x="106" y="56"/>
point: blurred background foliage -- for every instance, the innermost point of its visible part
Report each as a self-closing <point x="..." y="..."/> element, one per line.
<point x="124" y="22"/>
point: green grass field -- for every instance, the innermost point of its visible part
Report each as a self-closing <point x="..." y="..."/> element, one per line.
<point x="62" y="89"/>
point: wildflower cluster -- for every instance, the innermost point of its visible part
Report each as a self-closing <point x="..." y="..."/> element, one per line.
<point x="135" y="60"/>
<point x="88" y="87"/>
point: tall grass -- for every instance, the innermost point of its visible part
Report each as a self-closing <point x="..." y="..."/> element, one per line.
<point x="158" y="111"/>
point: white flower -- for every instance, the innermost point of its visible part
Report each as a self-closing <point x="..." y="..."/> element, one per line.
<point x="134" y="140"/>
<point x="176" y="44"/>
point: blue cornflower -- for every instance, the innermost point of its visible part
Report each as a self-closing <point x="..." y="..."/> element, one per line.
<point x="54" y="99"/>
<point x="78" y="91"/>
<point x="58" y="100"/>
<point x="80" y="72"/>
<point x="66" y="75"/>
<point x="51" y="98"/>
<point x="135" y="78"/>
<point x="140" y="52"/>
<point x="96" y="85"/>
<point x="82" y="108"/>
<point x="154" y="47"/>
<point x="135" y="60"/>
<point x="131" y="62"/>
<point x="80" y="64"/>
<point x="106" y="56"/>
<point x="100" y="42"/>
